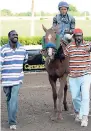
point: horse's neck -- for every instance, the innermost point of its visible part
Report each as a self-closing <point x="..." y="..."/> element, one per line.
<point x="56" y="56"/>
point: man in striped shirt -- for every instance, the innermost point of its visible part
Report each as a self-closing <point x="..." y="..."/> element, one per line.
<point x="13" y="55"/>
<point x="79" y="77"/>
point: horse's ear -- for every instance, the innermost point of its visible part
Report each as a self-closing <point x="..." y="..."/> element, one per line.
<point x="56" y="28"/>
<point x="44" y="28"/>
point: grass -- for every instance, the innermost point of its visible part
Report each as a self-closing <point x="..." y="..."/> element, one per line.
<point x="23" y="27"/>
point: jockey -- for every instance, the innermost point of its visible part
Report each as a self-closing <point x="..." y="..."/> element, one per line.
<point x="65" y="21"/>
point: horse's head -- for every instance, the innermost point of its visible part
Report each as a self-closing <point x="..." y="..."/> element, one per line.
<point x="50" y="34"/>
<point x="50" y="41"/>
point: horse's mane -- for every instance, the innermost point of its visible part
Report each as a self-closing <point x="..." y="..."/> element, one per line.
<point x="60" y="54"/>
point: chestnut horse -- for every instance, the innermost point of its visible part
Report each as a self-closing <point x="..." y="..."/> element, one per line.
<point x="56" y="65"/>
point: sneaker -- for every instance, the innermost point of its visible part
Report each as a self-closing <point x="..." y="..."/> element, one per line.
<point x="84" y="121"/>
<point x="77" y="119"/>
<point x="13" y="127"/>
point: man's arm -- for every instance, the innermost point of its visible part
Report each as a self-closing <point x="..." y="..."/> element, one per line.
<point x="1" y="62"/>
<point x="65" y="49"/>
<point x="26" y="57"/>
<point x="66" y="52"/>
<point x="1" y="58"/>
<point x="88" y="48"/>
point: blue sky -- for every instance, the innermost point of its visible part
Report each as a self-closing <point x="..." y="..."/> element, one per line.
<point x="45" y="5"/>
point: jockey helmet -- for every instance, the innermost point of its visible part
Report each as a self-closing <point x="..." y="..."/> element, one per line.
<point x="63" y="4"/>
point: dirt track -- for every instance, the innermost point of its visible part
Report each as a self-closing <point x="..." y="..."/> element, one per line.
<point x="36" y="106"/>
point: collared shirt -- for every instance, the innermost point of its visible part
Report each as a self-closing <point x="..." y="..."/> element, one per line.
<point x="12" y="64"/>
<point x="79" y="59"/>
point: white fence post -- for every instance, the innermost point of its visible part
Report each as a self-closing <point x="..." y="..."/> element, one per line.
<point x="32" y="20"/>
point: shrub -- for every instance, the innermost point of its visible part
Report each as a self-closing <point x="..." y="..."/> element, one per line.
<point x="36" y="40"/>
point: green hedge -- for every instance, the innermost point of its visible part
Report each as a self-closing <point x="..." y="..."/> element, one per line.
<point x="24" y="40"/>
<point x="36" y="40"/>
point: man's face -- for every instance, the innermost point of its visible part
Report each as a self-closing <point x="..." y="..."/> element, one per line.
<point x="63" y="10"/>
<point x="79" y="38"/>
<point x="13" y="37"/>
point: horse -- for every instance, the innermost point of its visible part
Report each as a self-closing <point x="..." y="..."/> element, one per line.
<point x="56" y="65"/>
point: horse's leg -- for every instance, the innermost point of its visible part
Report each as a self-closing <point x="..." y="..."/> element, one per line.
<point x="60" y="95"/>
<point x="65" y="96"/>
<point x="52" y="81"/>
<point x="54" y="93"/>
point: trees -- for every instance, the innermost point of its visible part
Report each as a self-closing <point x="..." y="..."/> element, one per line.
<point x="6" y="12"/>
<point x="23" y="14"/>
<point x="72" y="8"/>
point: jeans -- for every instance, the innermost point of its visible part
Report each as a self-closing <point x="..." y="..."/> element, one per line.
<point x="12" y="102"/>
<point x="80" y="91"/>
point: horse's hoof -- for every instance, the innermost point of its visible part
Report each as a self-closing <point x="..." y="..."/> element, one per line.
<point x="54" y="117"/>
<point x="60" y="117"/>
